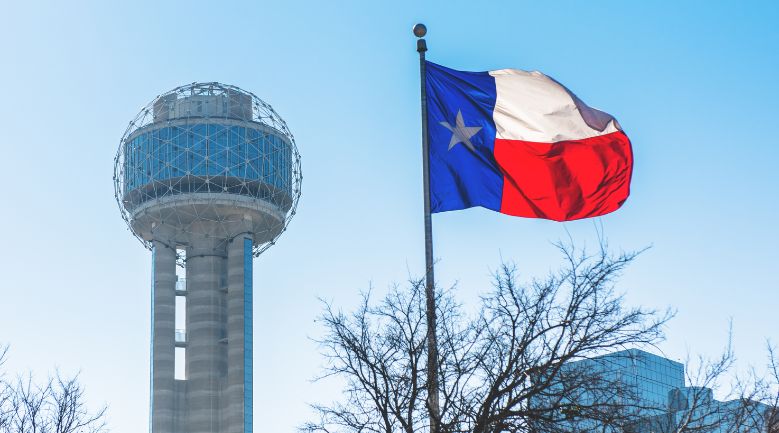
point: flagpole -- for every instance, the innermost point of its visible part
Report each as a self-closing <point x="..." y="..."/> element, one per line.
<point x="432" y="341"/>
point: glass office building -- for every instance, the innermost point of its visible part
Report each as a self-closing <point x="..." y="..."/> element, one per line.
<point x="652" y="393"/>
<point x="651" y="378"/>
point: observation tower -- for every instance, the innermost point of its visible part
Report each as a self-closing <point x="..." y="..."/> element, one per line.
<point x="207" y="176"/>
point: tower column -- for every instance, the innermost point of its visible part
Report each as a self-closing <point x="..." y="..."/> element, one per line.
<point x="205" y="335"/>
<point x="239" y="322"/>
<point x="163" y="335"/>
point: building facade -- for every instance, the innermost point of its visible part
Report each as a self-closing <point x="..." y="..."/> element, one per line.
<point x="654" y="398"/>
<point x="207" y="176"/>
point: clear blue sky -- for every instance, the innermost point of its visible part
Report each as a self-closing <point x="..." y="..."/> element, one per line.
<point x="694" y="84"/>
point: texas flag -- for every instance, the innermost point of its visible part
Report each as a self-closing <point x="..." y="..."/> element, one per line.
<point x="522" y="144"/>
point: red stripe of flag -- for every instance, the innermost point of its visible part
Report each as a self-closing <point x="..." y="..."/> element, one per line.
<point x="566" y="180"/>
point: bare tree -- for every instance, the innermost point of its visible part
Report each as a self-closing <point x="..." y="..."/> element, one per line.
<point x="748" y="404"/>
<point x="533" y="333"/>
<point x="765" y="390"/>
<point x="5" y="393"/>
<point x="693" y="409"/>
<point x="769" y="390"/>
<point x="379" y="351"/>
<point x="506" y="370"/>
<point x="57" y="405"/>
<point x="529" y="361"/>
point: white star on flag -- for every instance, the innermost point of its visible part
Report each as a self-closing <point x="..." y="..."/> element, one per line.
<point x="460" y="132"/>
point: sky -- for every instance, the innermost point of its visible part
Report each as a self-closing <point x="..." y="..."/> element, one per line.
<point x="692" y="83"/>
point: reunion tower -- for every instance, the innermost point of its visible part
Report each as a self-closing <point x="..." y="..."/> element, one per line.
<point x="207" y="177"/>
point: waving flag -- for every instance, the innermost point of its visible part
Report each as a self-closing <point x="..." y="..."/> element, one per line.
<point x="522" y="144"/>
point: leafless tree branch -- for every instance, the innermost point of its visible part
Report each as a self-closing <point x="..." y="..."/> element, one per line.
<point x="57" y="405"/>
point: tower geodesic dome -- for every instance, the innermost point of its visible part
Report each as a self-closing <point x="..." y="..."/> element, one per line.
<point x="207" y="160"/>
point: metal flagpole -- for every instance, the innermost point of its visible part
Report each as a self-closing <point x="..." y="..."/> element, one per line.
<point x="432" y="341"/>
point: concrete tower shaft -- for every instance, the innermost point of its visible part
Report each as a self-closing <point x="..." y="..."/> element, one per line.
<point x="207" y="176"/>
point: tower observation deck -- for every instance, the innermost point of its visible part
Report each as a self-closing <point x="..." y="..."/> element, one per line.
<point x="207" y="176"/>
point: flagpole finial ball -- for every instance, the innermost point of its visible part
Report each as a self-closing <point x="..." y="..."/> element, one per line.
<point x="420" y="30"/>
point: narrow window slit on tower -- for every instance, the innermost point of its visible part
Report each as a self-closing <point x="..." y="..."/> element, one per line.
<point x="180" y="316"/>
<point x="181" y="319"/>
<point x="180" y="364"/>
